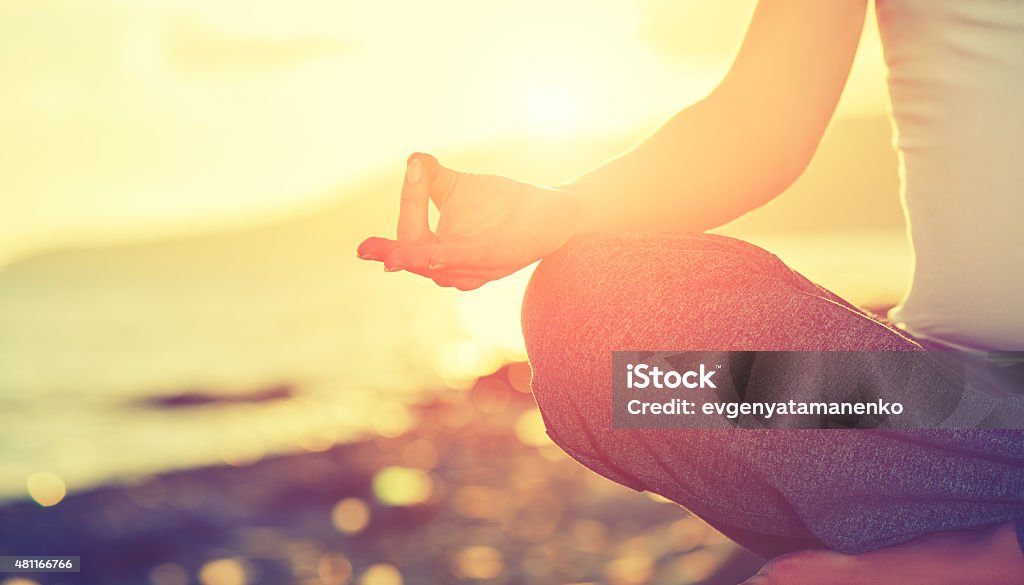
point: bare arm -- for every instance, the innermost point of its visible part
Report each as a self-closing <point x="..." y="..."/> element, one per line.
<point x="720" y="158"/>
<point x="747" y="141"/>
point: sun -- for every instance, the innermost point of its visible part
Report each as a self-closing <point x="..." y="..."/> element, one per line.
<point x="551" y="105"/>
<point x="551" y="109"/>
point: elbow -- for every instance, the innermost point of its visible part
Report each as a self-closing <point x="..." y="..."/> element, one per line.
<point x="786" y="140"/>
<point x="795" y="161"/>
<point x="790" y="155"/>
<point x="794" y="138"/>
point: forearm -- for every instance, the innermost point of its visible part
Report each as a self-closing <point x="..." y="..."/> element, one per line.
<point x="710" y="164"/>
<point x="744" y="144"/>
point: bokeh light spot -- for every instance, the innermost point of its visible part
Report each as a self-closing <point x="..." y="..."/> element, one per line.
<point x="381" y="574"/>
<point x="46" y="489"/>
<point x="168" y="574"/>
<point x="391" y="419"/>
<point x="631" y="569"/>
<point x="461" y="362"/>
<point x="334" y="569"/>
<point x="350" y="515"/>
<point x="530" y="429"/>
<point x="401" y="486"/>
<point x="223" y="572"/>
<point x="478" y="562"/>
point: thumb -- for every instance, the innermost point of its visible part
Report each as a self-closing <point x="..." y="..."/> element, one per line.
<point x="413" y="222"/>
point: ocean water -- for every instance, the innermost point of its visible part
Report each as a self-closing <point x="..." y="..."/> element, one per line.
<point x="87" y="337"/>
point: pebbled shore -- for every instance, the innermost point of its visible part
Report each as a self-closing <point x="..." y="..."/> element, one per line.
<point x="473" y="493"/>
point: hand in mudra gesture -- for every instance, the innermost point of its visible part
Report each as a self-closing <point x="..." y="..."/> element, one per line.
<point x="489" y="226"/>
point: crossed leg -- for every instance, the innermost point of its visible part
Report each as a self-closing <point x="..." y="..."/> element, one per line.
<point x="840" y="493"/>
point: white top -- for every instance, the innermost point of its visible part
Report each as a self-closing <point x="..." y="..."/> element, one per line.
<point x="956" y="79"/>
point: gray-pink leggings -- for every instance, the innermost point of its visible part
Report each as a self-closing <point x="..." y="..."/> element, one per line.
<point x="773" y="491"/>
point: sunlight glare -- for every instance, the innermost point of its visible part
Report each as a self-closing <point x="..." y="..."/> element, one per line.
<point x="553" y="106"/>
<point x="490" y="315"/>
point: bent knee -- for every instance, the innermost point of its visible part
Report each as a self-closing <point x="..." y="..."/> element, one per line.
<point x="642" y="291"/>
<point x="630" y="292"/>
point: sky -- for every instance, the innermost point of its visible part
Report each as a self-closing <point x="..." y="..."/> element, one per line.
<point x="122" y="119"/>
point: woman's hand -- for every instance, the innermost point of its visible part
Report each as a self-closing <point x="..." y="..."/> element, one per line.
<point x="489" y="226"/>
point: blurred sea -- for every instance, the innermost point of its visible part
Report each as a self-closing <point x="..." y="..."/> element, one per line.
<point x="285" y="311"/>
<point x="249" y="354"/>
